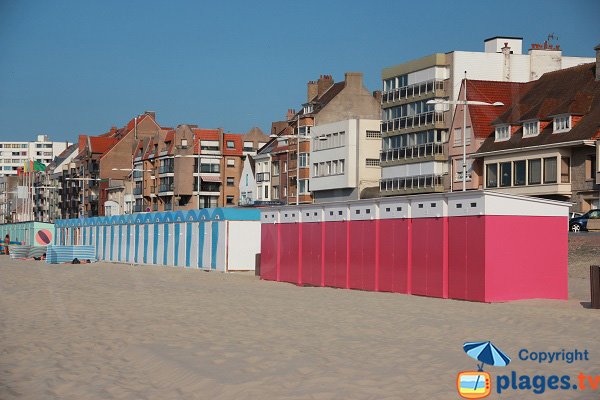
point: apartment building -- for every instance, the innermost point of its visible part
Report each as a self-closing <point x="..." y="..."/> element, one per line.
<point x="415" y="132"/>
<point x="188" y="168"/>
<point x="283" y="166"/>
<point x="15" y="154"/>
<point x="48" y="205"/>
<point x="546" y="143"/>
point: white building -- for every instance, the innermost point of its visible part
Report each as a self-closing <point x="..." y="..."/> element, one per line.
<point x="248" y="183"/>
<point x="413" y="157"/>
<point x="16" y="154"/>
<point x="344" y="159"/>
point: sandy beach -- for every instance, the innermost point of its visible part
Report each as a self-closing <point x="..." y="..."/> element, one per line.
<point x="110" y="331"/>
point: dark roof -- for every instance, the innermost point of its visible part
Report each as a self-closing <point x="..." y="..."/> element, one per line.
<point x="573" y="91"/>
<point x="62" y="156"/>
<point x="502" y="37"/>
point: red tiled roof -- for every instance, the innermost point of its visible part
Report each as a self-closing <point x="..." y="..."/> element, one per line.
<point x="237" y="139"/>
<point x="203" y="134"/>
<point x="101" y="144"/>
<point x="490" y="92"/>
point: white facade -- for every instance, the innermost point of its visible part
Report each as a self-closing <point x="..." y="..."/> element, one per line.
<point x="345" y="155"/>
<point x="247" y="184"/>
<point x="262" y="166"/>
<point x="15" y="154"/>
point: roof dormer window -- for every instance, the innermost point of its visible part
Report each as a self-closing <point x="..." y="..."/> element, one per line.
<point x="502" y="133"/>
<point x="562" y="123"/>
<point x="308" y="108"/>
<point x="531" y="128"/>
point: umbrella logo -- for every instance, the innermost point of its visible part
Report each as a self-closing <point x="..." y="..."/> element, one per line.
<point x="478" y="384"/>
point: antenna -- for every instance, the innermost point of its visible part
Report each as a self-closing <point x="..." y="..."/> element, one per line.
<point x="552" y="37"/>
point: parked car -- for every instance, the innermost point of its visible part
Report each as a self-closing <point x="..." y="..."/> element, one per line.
<point x="578" y="224"/>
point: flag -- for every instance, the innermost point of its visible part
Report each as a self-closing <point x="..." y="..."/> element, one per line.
<point x="26" y="167"/>
<point x="38" y="166"/>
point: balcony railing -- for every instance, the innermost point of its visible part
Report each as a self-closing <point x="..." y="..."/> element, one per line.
<point x="137" y="190"/>
<point x="263" y="177"/>
<point x="405" y="153"/>
<point x="168" y="206"/>
<point x="410" y="183"/>
<point x="166" y="169"/>
<point x="417" y="89"/>
<point x="413" y="121"/>
<point x="166" y="187"/>
<point x="137" y="175"/>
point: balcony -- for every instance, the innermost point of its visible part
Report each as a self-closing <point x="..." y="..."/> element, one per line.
<point x="263" y="177"/>
<point x="139" y="208"/>
<point x="137" y="190"/>
<point x="165" y="187"/>
<point x="434" y="87"/>
<point x="138" y="175"/>
<point x="425" y="120"/>
<point x="168" y="206"/>
<point x="166" y="169"/>
<point x="406" y="155"/>
<point x="412" y="185"/>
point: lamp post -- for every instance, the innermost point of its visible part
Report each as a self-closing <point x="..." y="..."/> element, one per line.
<point x="464" y="103"/>
<point x="197" y="157"/>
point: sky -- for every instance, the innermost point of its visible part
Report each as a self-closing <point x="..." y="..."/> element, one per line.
<point x="70" y="67"/>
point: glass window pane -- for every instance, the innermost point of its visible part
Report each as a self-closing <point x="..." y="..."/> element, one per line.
<point x="505" y="174"/>
<point x="491" y="175"/>
<point x="550" y="170"/>
<point x="535" y="171"/>
<point x="519" y="176"/>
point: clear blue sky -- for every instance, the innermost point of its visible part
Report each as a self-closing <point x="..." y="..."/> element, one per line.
<point x="71" y="67"/>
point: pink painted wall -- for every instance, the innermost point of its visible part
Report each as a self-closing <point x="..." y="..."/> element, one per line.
<point x="335" y="257"/>
<point x="394" y="255"/>
<point x="363" y="249"/>
<point x="289" y="253"/>
<point x="430" y="257"/>
<point x="525" y="258"/>
<point x="268" y="256"/>
<point x="466" y="258"/>
<point x="312" y="257"/>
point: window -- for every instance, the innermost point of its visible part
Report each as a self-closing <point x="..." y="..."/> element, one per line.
<point x="372" y="162"/>
<point x="505" y="174"/>
<point x="266" y="192"/>
<point x="208" y="166"/>
<point x="502" y="132"/>
<point x="373" y="135"/>
<point x="285" y="193"/>
<point x="308" y="108"/>
<point x="457" y="136"/>
<point x="183" y="143"/>
<point x="491" y="172"/>
<point x="590" y="168"/>
<point x="230" y="144"/>
<point x="562" y="123"/>
<point x="304" y="160"/>
<point x="230" y="181"/>
<point x="229" y="199"/>
<point x="341" y="165"/>
<point x="303" y="186"/>
<point x="248" y="146"/>
<point x="328" y="167"/>
<point x="535" y="171"/>
<point x="531" y="128"/>
<point x="550" y="170"/>
<point x="315" y="169"/>
<point x="304" y="130"/>
<point x="275" y="168"/>
<point x="209" y="145"/>
<point x="564" y="170"/>
<point x="230" y="162"/>
<point x="468" y="133"/>
<point x="519" y="173"/>
<point x="285" y="166"/>
<point x="275" y="192"/>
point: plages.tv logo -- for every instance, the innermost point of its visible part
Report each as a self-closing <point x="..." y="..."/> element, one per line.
<point x="478" y="384"/>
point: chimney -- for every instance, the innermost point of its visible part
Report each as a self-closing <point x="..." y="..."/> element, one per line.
<point x="311" y="91"/>
<point x="354" y="80"/>
<point x="324" y="83"/>
<point x="506" y="66"/>
<point x="597" y="48"/>
<point x="290" y="114"/>
<point x="377" y="95"/>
